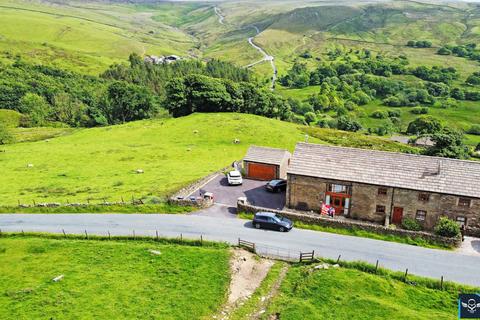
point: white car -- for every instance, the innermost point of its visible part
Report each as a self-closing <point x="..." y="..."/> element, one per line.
<point x="234" y="178"/>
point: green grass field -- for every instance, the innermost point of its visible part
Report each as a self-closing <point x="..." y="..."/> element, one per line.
<point x="101" y="163"/>
<point x="84" y="37"/>
<point x="351" y="294"/>
<point x="110" y="280"/>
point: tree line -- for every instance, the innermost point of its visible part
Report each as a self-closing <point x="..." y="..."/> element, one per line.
<point x="48" y="96"/>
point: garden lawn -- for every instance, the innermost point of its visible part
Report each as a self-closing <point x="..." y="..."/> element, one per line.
<point x="352" y="294"/>
<point x="110" y="279"/>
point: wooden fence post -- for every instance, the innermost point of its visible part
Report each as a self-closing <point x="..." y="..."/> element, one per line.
<point x="64" y="234"/>
<point x="156" y="232"/>
<point x="406" y="274"/>
<point x="441" y="283"/>
<point x="181" y="237"/>
<point x="133" y="234"/>
<point x="86" y="234"/>
<point x="108" y="234"/>
<point x="201" y="240"/>
<point x="376" y="267"/>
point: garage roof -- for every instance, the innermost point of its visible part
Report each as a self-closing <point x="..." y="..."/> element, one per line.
<point x="266" y="155"/>
<point x="407" y="171"/>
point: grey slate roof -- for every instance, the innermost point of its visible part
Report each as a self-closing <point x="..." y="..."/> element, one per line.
<point x="266" y="155"/>
<point x="391" y="169"/>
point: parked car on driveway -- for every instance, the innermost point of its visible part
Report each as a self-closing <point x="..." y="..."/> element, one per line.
<point x="276" y="185"/>
<point x="272" y="221"/>
<point x="234" y="178"/>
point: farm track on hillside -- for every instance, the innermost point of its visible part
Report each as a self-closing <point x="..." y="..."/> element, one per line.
<point x="266" y="56"/>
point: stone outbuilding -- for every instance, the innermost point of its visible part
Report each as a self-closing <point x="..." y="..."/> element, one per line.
<point x="384" y="187"/>
<point x="262" y="163"/>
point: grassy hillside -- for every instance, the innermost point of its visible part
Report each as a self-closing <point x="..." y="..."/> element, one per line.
<point x="351" y="294"/>
<point x="84" y="36"/>
<point x="116" y="280"/>
<point x="101" y="162"/>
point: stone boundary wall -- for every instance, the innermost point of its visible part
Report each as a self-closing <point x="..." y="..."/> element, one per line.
<point x="181" y="196"/>
<point x="197" y="203"/>
<point x="329" y="222"/>
<point x="473" y="232"/>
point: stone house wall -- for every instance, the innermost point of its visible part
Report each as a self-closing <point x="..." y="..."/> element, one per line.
<point x="308" y="193"/>
<point x="305" y="193"/>
<point x="282" y="169"/>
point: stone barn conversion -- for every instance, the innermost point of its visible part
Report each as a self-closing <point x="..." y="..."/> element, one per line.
<point x="384" y="187"/>
<point x="263" y="163"/>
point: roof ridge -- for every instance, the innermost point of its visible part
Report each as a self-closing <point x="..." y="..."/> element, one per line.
<point x="271" y="148"/>
<point x="390" y="152"/>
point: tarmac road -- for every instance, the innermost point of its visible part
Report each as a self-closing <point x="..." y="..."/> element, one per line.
<point x="421" y="261"/>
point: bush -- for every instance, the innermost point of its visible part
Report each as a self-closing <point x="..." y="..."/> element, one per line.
<point x="298" y="119"/>
<point x="411" y="224"/>
<point x="310" y="117"/>
<point x="323" y="123"/>
<point x="419" y="110"/>
<point x="350" y="105"/>
<point x="448" y="103"/>
<point x="475" y="129"/>
<point x="447" y="228"/>
<point x="379" y="114"/>
<point x="348" y="124"/>
<point x="394" y="113"/>
<point x="5" y="134"/>
<point x="393" y="101"/>
<point x="424" y="125"/>
<point x="444" y="51"/>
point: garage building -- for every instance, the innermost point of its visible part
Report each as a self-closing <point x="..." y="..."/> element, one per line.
<point x="263" y="163"/>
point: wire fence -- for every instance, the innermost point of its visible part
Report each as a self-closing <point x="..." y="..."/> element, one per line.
<point x="273" y="252"/>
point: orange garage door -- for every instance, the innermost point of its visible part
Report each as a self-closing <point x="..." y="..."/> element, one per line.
<point x="262" y="171"/>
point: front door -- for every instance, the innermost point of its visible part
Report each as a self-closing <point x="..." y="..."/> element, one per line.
<point x="338" y="203"/>
<point x="397" y="215"/>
